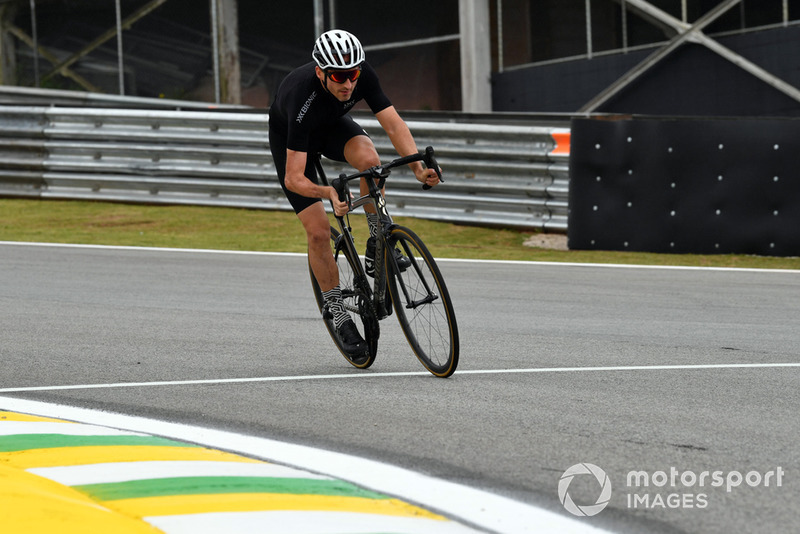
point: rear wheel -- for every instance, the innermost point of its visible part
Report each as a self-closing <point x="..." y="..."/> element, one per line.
<point x="357" y="301"/>
<point x="422" y="304"/>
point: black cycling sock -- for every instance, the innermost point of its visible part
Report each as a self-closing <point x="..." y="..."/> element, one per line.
<point x="334" y="300"/>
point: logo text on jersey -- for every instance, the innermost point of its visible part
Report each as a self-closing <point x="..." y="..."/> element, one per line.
<point x="305" y="107"/>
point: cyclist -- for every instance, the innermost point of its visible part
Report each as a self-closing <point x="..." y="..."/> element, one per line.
<point x="309" y="115"/>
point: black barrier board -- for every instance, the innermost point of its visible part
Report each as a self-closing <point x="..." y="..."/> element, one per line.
<point x="685" y="185"/>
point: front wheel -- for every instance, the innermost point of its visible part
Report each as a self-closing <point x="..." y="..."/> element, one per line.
<point x="357" y="301"/>
<point x="422" y="303"/>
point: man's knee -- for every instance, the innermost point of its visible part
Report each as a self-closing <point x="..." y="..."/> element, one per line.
<point x="315" y="222"/>
<point x="360" y="153"/>
<point x="318" y="235"/>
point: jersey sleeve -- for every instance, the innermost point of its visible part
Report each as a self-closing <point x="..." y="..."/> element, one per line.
<point x="373" y="94"/>
<point x="301" y="123"/>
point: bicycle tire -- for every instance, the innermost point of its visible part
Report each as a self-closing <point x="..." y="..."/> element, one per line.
<point x="357" y="300"/>
<point x="422" y="304"/>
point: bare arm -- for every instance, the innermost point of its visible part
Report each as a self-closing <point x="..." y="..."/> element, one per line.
<point x="297" y="182"/>
<point x="400" y="135"/>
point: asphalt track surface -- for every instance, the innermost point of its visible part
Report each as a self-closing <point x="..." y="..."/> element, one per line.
<point x="687" y="377"/>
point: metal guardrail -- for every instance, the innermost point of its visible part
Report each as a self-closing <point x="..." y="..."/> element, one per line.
<point x="499" y="175"/>
<point x="34" y="96"/>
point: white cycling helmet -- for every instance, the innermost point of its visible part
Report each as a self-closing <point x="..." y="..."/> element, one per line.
<point x="338" y="49"/>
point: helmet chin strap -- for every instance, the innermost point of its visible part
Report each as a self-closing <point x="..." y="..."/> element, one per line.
<point x="325" y="83"/>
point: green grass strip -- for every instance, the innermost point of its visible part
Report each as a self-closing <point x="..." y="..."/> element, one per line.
<point x="20" y="442"/>
<point x="163" y="487"/>
<point x="107" y="223"/>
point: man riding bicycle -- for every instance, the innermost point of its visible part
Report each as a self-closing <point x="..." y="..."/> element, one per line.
<point x="309" y="116"/>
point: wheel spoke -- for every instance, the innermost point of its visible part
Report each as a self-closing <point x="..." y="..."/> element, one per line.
<point x="354" y="301"/>
<point x="423" y="306"/>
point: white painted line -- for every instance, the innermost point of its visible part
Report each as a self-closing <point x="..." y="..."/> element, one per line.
<point x="636" y="368"/>
<point x="367" y="374"/>
<point x="11" y="428"/>
<point x="476" y="507"/>
<point x="439" y="260"/>
<point x="78" y="475"/>
<point x="623" y="266"/>
<point x="209" y="381"/>
<point x="152" y="249"/>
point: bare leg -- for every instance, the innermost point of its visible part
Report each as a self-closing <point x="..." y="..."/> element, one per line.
<point x="320" y="257"/>
<point x="361" y="154"/>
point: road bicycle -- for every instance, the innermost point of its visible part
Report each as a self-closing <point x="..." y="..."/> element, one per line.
<point x="417" y="292"/>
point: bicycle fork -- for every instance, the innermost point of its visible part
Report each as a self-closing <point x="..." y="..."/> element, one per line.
<point x="382" y="301"/>
<point x="430" y="295"/>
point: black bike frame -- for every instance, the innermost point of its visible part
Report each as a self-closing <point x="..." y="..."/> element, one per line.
<point x="375" y="198"/>
<point x="385" y="222"/>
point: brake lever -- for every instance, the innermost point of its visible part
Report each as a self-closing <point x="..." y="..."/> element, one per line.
<point x="342" y="189"/>
<point x="430" y="162"/>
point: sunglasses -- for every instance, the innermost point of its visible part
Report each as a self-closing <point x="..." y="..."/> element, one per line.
<point x="341" y="76"/>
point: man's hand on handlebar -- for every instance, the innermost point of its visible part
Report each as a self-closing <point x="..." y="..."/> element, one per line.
<point x="340" y="207"/>
<point x="427" y="176"/>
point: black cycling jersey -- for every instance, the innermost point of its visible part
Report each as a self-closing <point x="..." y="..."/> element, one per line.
<point x="303" y="106"/>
